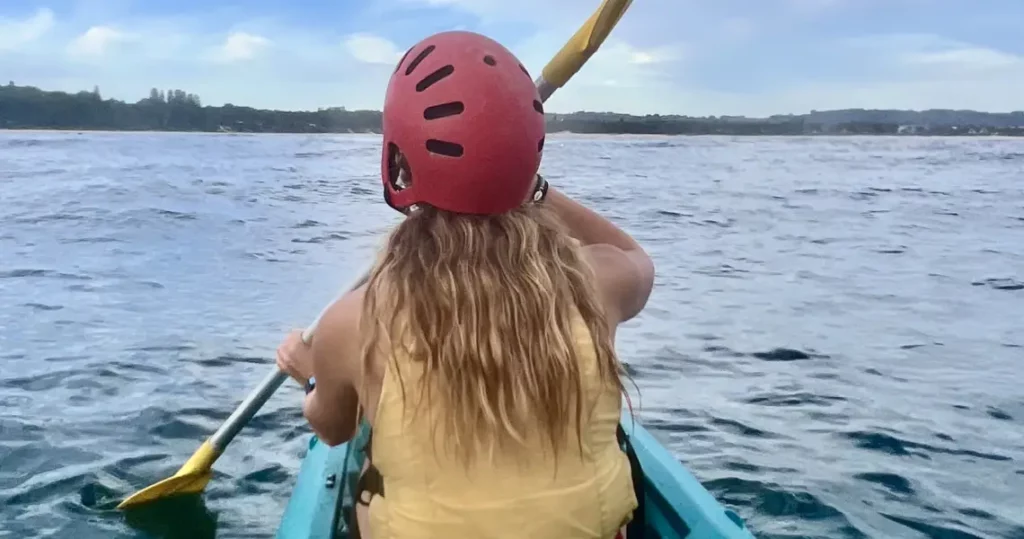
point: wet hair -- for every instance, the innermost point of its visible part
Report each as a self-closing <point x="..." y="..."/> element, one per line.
<point x="496" y="313"/>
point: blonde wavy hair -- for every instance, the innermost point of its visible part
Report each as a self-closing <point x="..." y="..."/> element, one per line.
<point x="486" y="304"/>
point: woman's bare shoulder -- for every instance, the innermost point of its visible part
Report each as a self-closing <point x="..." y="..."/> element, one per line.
<point x="336" y="340"/>
<point x="344" y="313"/>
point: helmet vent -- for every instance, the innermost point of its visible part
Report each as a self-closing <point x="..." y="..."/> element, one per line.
<point x="443" y="110"/>
<point x="527" y="73"/>
<point x="489" y="60"/>
<point x="540" y="145"/>
<point x="538" y="106"/>
<point x="419" y="58"/>
<point x="442" y="147"/>
<point x="434" y="77"/>
<point x="399" y="174"/>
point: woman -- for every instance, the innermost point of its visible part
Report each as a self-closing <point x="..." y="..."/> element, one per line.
<point x="481" y="349"/>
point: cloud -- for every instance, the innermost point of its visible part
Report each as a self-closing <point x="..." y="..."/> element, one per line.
<point x="654" y="55"/>
<point x="536" y="11"/>
<point x="814" y="6"/>
<point x="97" y="41"/>
<point x="966" y="58"/>
<point x="372" y="49"/>
<point x="953" y="57"/>
<point x="239" y="47"/>
<point x="15" y="33"/>
<point x="938" y="57"/>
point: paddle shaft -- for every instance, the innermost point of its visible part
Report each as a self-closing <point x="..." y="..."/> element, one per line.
<point x="566" y="63"/>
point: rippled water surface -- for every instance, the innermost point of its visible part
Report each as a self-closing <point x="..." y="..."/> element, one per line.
<point x="835" y="344"/>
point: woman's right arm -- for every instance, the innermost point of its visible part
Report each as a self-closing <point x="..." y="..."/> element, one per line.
<point x="624" y="271"/>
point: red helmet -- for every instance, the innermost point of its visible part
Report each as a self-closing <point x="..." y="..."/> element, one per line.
<point x="466" y="116"/>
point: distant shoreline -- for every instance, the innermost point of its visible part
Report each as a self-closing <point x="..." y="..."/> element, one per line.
<point x="176" y="111"/>
<point x="557" y="134"/>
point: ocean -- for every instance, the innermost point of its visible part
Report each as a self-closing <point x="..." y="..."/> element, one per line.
<point x="834" y="346"/>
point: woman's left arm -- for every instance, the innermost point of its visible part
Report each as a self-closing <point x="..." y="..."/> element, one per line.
<point x="332" y="405"/>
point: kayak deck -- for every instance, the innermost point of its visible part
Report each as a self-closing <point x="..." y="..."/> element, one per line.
<point x="674" y="503"/>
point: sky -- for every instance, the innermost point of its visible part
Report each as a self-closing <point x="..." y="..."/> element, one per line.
<point x="693" y="57"/>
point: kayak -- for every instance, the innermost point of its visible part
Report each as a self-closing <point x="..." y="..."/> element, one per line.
<point x="673" y="503"/>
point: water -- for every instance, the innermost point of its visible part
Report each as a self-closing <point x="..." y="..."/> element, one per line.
<point x="834" y="344"/>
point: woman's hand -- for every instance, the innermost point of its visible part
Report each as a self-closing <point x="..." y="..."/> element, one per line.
<point x="295" y="357"/>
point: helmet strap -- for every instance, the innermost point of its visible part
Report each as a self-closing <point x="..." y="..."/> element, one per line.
<point x="540" y="190"/>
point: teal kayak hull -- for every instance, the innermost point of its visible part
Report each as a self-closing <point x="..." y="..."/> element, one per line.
<point x="675" y="504"/>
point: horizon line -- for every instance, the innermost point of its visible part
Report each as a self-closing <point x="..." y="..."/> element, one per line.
<point x="582" y="111"/>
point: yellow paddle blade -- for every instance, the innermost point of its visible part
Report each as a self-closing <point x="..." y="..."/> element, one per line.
<point x="190" y="479"/>
<point x="584" y="42"/>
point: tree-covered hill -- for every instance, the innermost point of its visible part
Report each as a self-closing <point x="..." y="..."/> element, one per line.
<point x="27" y="107"/>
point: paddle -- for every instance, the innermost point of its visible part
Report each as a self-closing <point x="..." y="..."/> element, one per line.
<point x="194" y="475"/>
